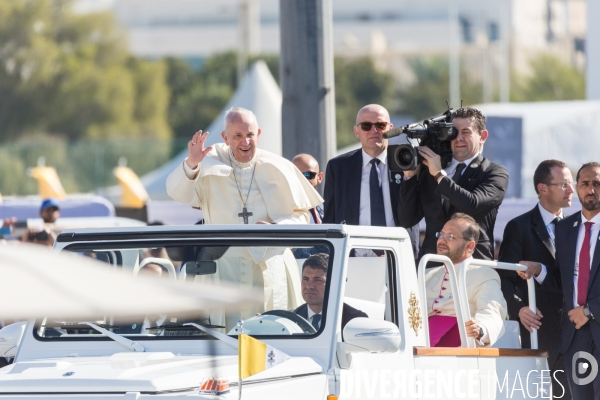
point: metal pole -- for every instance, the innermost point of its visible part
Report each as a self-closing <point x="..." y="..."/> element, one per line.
<point x="454" y="55"/>
<point x="249" y="35"/>
<point x="505" y="40"/>
<point x="592" y="51"/>
<point x="307" y="85"/>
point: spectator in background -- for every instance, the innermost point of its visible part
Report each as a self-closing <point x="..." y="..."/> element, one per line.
<point x="43" y="236"/>
<point x="49" y="211"/>
<point x="309" y="167"/>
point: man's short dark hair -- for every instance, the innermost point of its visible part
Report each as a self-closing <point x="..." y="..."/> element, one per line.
<point x="317" y="261"/>
<point x="587" y="165"/>
<point x="472" y="231"/>
<point x="474" y="114"/>
<point x="543" y="173"/>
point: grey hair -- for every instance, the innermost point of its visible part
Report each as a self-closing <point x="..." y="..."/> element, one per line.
<point x="233" y="111"/>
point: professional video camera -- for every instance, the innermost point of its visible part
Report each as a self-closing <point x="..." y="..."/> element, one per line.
<point x="435" y="133"/>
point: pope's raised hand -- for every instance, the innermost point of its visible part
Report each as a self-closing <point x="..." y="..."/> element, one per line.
<point x="196" y="150"/>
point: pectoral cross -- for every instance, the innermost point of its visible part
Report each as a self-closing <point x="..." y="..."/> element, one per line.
<point x="245" y="214"/>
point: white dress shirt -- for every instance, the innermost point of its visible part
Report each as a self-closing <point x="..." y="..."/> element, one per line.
<point x="450" y="170"/>
<point x="364" y="217"/>
<point x="547" y="217"/>
<point x="310" y="313"/>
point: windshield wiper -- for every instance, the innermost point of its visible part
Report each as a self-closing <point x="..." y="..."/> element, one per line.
<point x="230" y="341"/>
<point x="130" y="344"/>
<point x="179" y="327"/>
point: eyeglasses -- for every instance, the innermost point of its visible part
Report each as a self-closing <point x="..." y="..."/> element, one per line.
<point x="448" y="236"/>
<point x="366" y="126"/>
<point x="563" y="185"/>
<point x="310" y="174"/>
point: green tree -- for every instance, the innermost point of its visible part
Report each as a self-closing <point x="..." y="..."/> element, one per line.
<point x="550" y="79"/>
<point x="358" y="83"/>
<point x="427" y="96"/>
<point x="71" y="75"/>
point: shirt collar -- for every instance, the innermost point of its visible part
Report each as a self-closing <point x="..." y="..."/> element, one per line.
<point x="454" y="163"/>
<point x="367" y="158"/>
<point x="239" y="164"/>
<point x="595" y="220"/>
<point x="309" y="312"/>
<point x="547" y="216"/>
<point x="459" y="265"/>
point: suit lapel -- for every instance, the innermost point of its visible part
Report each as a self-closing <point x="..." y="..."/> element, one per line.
<point x="353" y="182"/>
<point x="395" y="193"/>
<point x="596" y="261"/>
<point x="542" y="232"/>
<point x="470" y="170"/>
<point x="571" y="246"/>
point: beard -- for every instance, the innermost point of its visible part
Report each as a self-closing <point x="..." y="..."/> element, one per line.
<point x="590" y="205"/>
<point x="456" y="255"/>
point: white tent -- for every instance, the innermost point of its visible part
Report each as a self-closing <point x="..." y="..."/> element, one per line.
<point x="565" y="130"/>
<point x="259" y="93"/>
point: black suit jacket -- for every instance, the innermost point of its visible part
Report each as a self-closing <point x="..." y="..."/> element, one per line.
<point x="342" y="193"/>
<point x="526" y="239"/>
<point x="348" y="313"/>
<point x="478" y="193"/>
<point x="567" y="232"/>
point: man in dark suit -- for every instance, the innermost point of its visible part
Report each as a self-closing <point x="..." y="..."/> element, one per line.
<point x="529" y="239"/>
<point x="470" y="184"/>
<point x="314" y="278"/>
<point x="578" y="261"/>
<point x="309" y="167"/>
<point x="359" y="188"/>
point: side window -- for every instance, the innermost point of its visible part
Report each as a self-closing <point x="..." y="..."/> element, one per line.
<point x="368" y="286"/>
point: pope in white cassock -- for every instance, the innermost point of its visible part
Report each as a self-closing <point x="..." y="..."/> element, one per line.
<point x="237" y="183"/>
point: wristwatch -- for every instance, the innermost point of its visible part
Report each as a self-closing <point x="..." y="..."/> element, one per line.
<point x="439" y="175"/>
<point x="587" y="312"/>
<point x="480" y="333"/>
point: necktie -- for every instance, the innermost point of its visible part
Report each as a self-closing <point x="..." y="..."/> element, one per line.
<point x="584" y="266"/>
<point x="376" y="196"/>
<point x="315" y="215"/>
<point x="316" y="321"/>
<point x="458" y="171"/>
<point x="555" y="221"/>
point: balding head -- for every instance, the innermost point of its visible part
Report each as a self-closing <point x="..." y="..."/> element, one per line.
<point x="371" y="122"/>
<point x="239" y="114"/>
<point x="241" y="133"/>
<point x="309" y="166"/>
<point x="373" y="108"/>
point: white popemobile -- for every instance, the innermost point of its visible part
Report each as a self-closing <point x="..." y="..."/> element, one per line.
<point x="386" y="355"/>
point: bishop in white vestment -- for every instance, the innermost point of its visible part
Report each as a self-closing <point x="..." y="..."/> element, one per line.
<point x="236" y="183"/>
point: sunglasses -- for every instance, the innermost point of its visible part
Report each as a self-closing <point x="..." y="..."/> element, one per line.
<point x="309" y="174"/>
<point x="366" y="126"/>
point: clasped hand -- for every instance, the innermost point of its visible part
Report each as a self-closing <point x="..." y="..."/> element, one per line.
<point x="577" y="317"/>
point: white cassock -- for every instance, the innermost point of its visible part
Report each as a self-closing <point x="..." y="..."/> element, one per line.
<point x="486" y="301"/>
<point x="277" y="193"/>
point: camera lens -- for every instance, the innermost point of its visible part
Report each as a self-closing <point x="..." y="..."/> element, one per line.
<point x="405" y="156"/>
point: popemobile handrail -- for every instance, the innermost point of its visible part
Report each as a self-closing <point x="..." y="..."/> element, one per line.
<point x="463" y="304"/>
<point x="501" y="265"/>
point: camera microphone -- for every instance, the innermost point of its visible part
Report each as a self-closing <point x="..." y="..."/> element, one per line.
<point x="393" y="132"/>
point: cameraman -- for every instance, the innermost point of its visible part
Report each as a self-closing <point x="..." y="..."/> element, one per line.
<point x="470" y="184"/>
